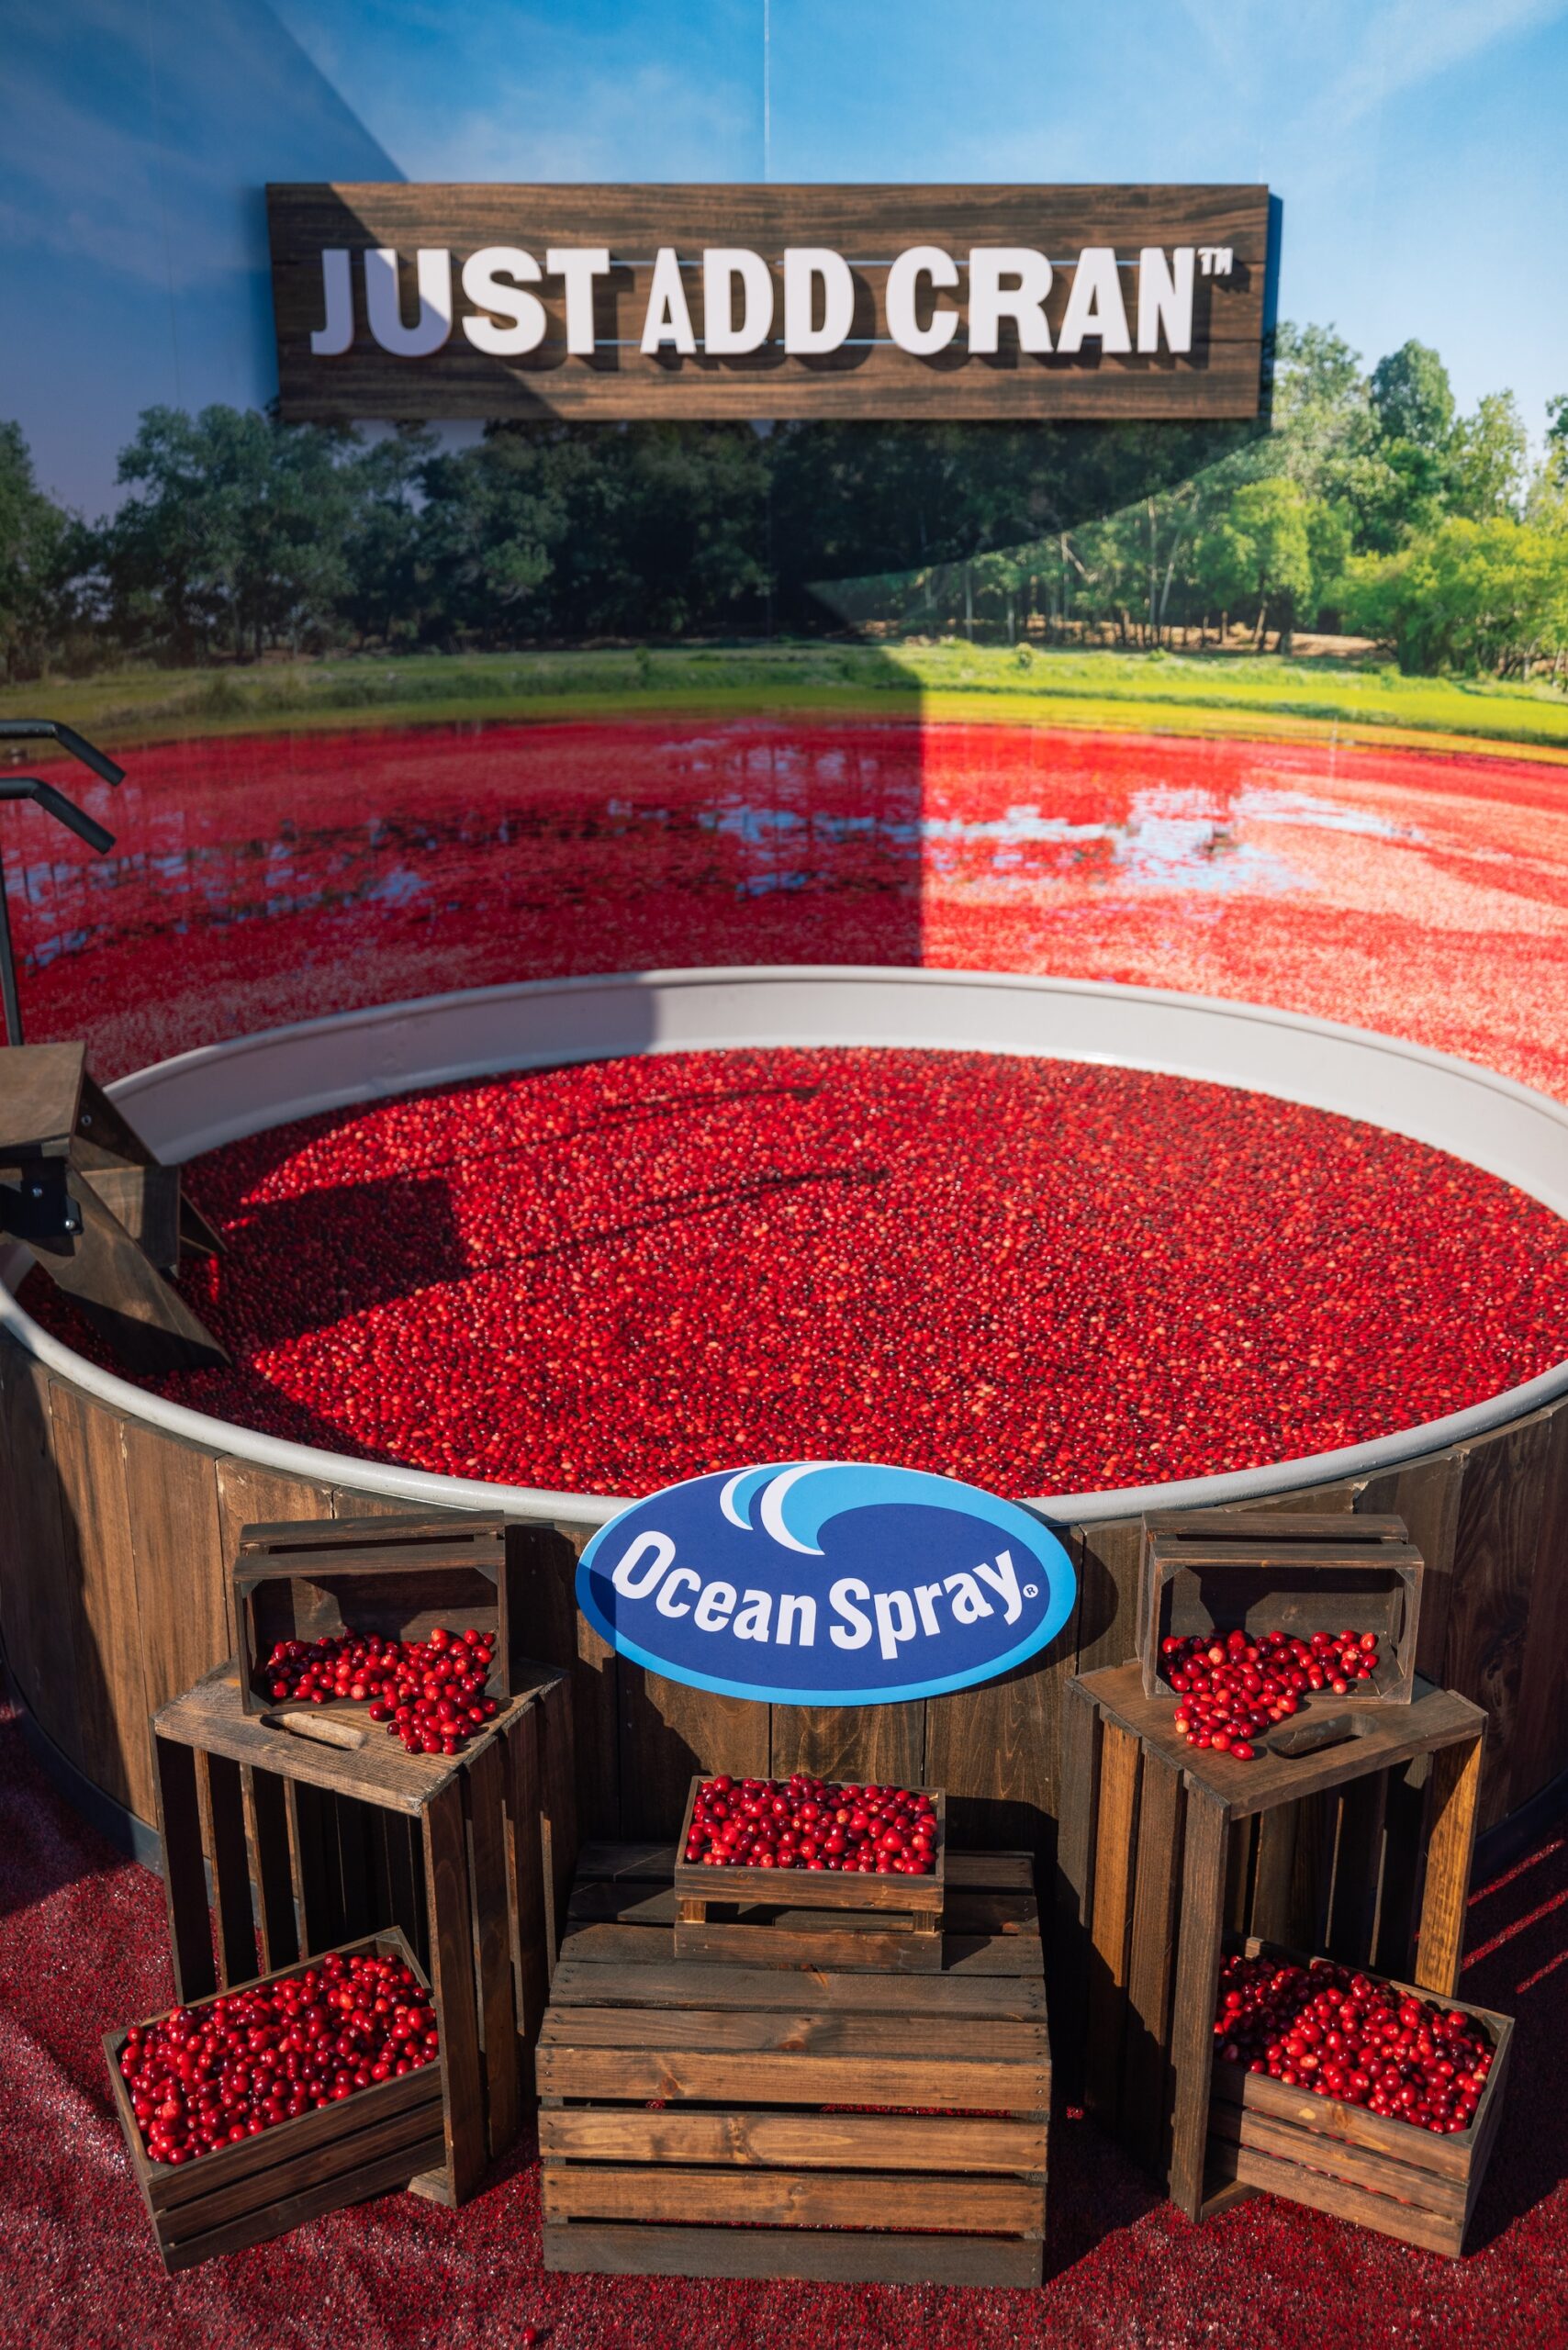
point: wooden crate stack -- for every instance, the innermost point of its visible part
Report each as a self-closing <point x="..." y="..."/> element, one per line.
<point x="297" y="1829"/>
<point x="1168" y="1851"/>
<point x="887" y="1924"/>
<point x="716" y="2119"/>
<point x="378" y="2139"/>
<point x="1342" y="2159"/>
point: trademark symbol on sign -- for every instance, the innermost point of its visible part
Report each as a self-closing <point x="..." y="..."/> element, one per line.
<point x="1215" y="261"/>
<point x="1031" y="1591"/>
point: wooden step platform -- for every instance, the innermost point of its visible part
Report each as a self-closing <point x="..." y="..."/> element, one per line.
<point x="709" y="2119"/>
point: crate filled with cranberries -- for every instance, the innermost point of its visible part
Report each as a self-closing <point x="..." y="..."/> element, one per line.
<point x="810" y="1871"/>
<point x="410" y="1623"/>
<point x="1247" y="1617"/>
<point x="281" y="2099"/>
<point x="1367" y="2099"/>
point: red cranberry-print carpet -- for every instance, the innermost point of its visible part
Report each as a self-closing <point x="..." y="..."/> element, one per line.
<point x="82" y="1947"/>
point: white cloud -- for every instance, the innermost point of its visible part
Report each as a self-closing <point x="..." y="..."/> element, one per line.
<point x="1410" y="40"/>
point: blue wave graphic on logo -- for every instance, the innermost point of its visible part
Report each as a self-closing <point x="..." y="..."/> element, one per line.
<point x="793" y="1504"/>
<point x="826" y="1583"/>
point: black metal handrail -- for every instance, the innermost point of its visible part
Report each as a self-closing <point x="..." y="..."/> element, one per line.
<point x="55" y="803"/>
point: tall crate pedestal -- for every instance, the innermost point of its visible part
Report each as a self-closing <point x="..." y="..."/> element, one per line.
<point x="704" y="2119"/>
<point x="314" y="1832"/>
<point x="1166" y="1851"/>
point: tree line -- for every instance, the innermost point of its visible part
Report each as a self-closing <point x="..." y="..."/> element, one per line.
<point x="1371" y="505"/>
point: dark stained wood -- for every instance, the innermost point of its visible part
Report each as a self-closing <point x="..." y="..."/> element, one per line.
<point x="558" y="1826"/>
<point x="1540" y="1729"/>
<point x="485" y="1780"/>
<point x="1298" y="1572"/>
<point x="1406" y="2183"/>
<point x="1151" y="1962"/>
<point x="810" y="2141"/>
<point x="41" y="1091"/>
<point x="451" y="1973"/>
<point x="145" y="1201"/>
<point x="353" y="1759"/>
<point x="1508" y="1514"/>
<point x="666" y="1982"/>
<point x="184" y="1876"/>
<point x="996" y="1748"/>
<point x="1424" y="1494"/>
<point x="664" y="2193"/>
<point x="754" y="1939"/>
<point x="1454" y="1808"/>
<point x="742" y="2059"/>
<point x="532" y="1944"/>
<point x="560" y="1634"/>
<point x="248" y="1493"/>
<point x="266" y="1838"/>
<point x="667" y="1731"/>
<point x="1273" y="1873"/>
<point x="858" y="2256"/>
<point x="95" y="1532"/>
<point x="857" y="1745"/>
<point x="810" y="1889"/>
<point x="1105" y="1627"/>
<point x="1197" y="1983"/>
<point x="1352" y="1933"/>
<point x="120" y="1291"/>
<point x="371" y="1571"/>
<point x="181" y="1589"/>
<point x="1111" y="1918"/>
<point x="42" y="1597"/>
<point x="869" y="225"/>
<point x="229" y="1861"/>
<point x="1384" y="1736"/>
<point x="1069" y="1965"/>
<point x="313" y="1859"/>
<point x="261" y="2187"/>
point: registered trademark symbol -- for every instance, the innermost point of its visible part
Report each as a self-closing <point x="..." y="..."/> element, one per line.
<point x="1031" y="1591"/>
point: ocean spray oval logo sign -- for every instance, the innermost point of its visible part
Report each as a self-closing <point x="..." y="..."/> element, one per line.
<point x="826" y="1583"/>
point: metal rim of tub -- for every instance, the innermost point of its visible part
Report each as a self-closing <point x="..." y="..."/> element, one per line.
<point x="217" y="1093"/>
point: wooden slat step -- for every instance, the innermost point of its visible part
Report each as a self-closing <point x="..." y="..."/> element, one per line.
<point x="1017" y="1957"/>
<point x="818" y="2060"/>
<point x="757" y="1988"/>
<point x="926" y="2143"/>
<point x="853" y="2255"/>
<point x="794" y="2030"/>
<point x="639" y="1903"/>
<point x="977" y="1871"/>
<point x="783" y="2198"/>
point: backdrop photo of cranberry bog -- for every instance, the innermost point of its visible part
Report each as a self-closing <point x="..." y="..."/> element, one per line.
<point x="1267" y="712"/>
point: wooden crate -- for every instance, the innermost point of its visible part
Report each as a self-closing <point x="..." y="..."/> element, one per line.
<point x="376" y="2140"/>
<point x="1165" y="1849"/>
<point x="730" y="2120"/>
<point x="835" y="1919"/>
<point x="315" y="1834"/>
<point x="1217" y="1571"/>
<point x="309" y="1579"/>
<point x="1356" y="2165"/>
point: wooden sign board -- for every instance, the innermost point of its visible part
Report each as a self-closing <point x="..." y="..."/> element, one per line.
<point x="999" y="303"/>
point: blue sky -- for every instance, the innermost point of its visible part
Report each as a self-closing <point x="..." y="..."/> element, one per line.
<point x="1417" y="145"/>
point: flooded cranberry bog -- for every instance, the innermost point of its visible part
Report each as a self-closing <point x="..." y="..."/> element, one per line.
<point x="1097" y="1116"/>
